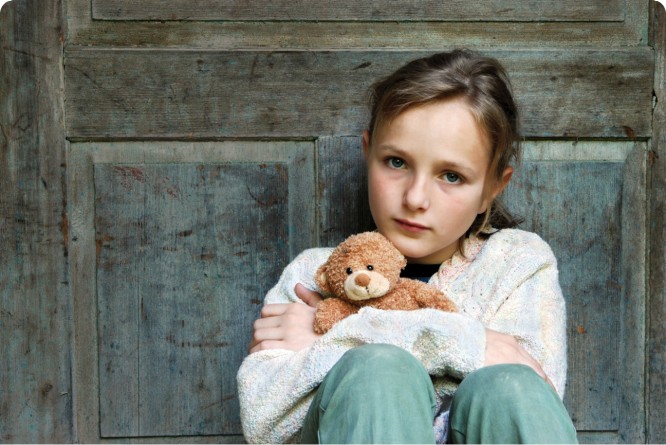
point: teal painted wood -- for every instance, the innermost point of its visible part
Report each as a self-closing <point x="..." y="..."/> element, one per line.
<point x="656" y="339"/>
<point x="174" y="94"/>
<point x="35" y="368"/>
<point x="177" y="243"/>
<point x="585" y="210"/>
<point x="576" y="208"/>
<point x="342" y="189"/>
<point x="432" y="10"/>
<point x="184" y="251"/>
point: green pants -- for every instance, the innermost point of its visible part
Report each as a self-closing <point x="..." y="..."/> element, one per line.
<point x="382" y="394"/>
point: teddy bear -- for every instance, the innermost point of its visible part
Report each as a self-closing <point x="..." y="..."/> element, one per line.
<point x="364" y="270"/>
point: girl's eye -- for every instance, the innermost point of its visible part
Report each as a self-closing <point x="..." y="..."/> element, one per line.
<point x="396" y="163"/>
<point x="452" y="178"/>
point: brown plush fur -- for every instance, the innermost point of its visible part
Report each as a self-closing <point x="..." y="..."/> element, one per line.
<point x="364" y="270"/>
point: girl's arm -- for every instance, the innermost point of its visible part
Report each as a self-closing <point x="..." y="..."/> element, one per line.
<point x="505" y="349"/>
<point x="534" y="314"/>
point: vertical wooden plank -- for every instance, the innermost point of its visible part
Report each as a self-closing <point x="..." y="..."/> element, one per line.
<point x="342" y="190"/>
<point x="35" y="387"/>
<point x="118" y="295"/>
<point x="634" y="297"/>
<point x="656" y="339"/>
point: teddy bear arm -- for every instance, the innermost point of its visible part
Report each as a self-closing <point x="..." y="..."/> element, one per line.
<point x="331" y="311"/>
<point x="430" y="297"/>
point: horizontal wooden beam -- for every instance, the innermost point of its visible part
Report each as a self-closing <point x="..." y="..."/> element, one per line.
<point x="415" y="10"/>
<point x="147" y="94"/>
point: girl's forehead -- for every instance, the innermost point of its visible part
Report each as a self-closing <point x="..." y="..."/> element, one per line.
<point x="435" y="124"/>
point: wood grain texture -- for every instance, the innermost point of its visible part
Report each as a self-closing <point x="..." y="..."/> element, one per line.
<point x="183" y="241"/>
<point x="170" y="94"/>
<point x="267" y="36"/>
<point x="349" y="10"/>
<point x="35" y="379"/>
<point x="323" y="35"/>
<point x="586" y="210"/>
<point x="184" y="253"/>
<point x="342" y="189"/>
<point x="656" y="335"/>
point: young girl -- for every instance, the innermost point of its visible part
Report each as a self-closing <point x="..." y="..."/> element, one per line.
<point x="441" y="140"/>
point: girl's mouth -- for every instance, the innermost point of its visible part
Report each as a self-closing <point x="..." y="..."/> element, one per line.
<point x="411" y="226"/>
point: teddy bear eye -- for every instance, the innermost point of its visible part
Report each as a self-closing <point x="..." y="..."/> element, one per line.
<point x="349" y="271"/>
<point x="370" y="267"/>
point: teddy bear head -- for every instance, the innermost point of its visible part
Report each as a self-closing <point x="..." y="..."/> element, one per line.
<point x="364" y="266"/>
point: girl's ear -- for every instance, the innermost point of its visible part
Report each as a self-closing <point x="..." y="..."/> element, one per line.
<point x="366" y="143"/>
<point x="497" y="187"/>
<point x="503" y="181"/>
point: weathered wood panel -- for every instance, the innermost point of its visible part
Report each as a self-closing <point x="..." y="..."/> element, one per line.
<point x="182" y="250"/>
<point x="587" y="196"/>
<point x="35" y="379"/>
<point x="169" y="94"/>
<point x="183" y="241"/>
<point x="319" y="35"/>
<point x="589" y="210"/>
<point x="656" y="338"/>
<point x="269" y="36"/>
<point x="351" y="10"/>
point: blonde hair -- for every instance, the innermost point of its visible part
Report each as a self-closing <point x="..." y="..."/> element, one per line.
<point x="484" y="84"/>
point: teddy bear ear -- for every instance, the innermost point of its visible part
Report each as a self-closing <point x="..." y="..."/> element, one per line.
<point x="321" y="278"/>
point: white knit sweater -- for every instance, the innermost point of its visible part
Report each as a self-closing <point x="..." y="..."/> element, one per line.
<point x="508" y="283"/>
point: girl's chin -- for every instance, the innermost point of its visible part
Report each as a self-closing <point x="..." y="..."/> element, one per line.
<point x="413" y="253"/>
<point x="423" y="254"/>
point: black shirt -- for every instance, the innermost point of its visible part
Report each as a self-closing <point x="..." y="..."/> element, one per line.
<point x="421" y="272"/>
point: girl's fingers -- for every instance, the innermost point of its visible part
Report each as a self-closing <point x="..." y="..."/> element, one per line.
<point x="264" y="334"/>
<point x="285" y="326"/>
<point x="309" y="297"/>
<point x="271" y="310"/>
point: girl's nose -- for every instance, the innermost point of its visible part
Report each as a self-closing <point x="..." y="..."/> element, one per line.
<point x="417" y="195"/>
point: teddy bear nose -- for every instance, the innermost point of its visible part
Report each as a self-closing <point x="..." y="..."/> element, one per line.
<point x="362" y="279"/>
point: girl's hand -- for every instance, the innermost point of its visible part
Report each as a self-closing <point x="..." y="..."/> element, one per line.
<point x="288" y="325"/>
<point x="504" y="349"/>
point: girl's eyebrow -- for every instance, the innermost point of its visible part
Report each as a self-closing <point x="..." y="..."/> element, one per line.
<point x="392" y="148"/>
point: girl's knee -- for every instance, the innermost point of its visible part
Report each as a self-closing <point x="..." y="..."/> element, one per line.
<point x="522" y="405"/>
<point x="506" y="387"/>
<point x="500" y="379"/>
<point x="382" y="361"/>
<point x="378" y="355"/>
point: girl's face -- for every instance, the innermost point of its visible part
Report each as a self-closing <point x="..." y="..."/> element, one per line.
<point x="428" y="178"/>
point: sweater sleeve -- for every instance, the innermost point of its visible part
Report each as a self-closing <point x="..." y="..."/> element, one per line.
<point x="276" y="386"/>
<point x="532" y="309"/>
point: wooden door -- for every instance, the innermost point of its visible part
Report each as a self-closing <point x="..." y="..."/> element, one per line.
<point x="209" y="142"/>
